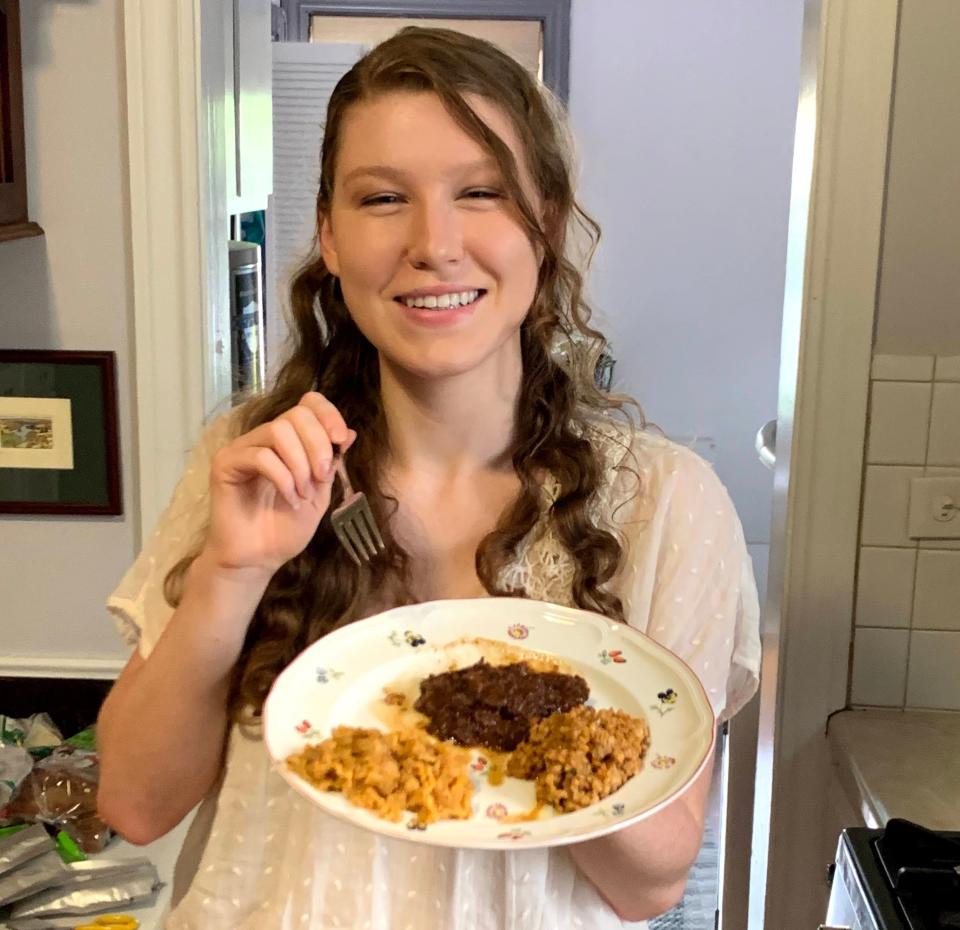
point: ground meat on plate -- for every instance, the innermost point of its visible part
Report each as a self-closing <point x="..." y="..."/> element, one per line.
<point x="494" y="705"/>
<point x="580" y="757"/>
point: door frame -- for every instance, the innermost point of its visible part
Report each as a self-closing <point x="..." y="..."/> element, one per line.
<point x="553" y="16"/>
<point x="162" y="55"/>
<point x="833" y="257"/>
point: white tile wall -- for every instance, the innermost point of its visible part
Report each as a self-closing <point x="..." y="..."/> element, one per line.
<point x="885" y="586"/>
<point x="948" y="368"/>
<point x="945" y="425"/>
<point x="906" y="645"/>
<point x="937" y="602"/>
<point x="902" y="368"/>
<point x="886" y="496"/>
<point x="899" y="422"/>
<point x="879" y="667"/>
<point x="933" y="680"/>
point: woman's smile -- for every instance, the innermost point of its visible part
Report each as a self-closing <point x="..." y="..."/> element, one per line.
<point x="440" y="306"/>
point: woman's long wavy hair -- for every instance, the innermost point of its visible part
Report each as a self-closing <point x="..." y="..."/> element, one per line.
<point x="321" y="588"/>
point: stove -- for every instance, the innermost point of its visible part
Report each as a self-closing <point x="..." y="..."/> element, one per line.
<point x="903" y="877"/>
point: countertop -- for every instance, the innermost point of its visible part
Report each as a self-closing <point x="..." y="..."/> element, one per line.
<point x="899" y="763"/>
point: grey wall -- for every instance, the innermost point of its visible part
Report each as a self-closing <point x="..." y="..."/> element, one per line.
<point x="70" y="289"/>
<point x="919" y="301"/>
<point x="684" y="113"/>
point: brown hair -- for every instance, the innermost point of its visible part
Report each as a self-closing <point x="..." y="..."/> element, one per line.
<point x="321" y="589"/>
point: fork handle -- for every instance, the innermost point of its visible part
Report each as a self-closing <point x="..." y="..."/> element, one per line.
<point x="342" y="470"/>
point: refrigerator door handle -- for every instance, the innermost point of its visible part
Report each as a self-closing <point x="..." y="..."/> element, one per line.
<point x="766" y="443"/>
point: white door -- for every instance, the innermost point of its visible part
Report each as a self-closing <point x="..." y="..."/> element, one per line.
<point x="836" y="216"/>
<point x="304" y="75"/>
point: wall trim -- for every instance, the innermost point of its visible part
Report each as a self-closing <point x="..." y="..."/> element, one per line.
<point x="172" y="329"/>
<point x="60" y="667"/>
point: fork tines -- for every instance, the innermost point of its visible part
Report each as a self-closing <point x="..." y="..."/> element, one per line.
<point x="357" y="530"/>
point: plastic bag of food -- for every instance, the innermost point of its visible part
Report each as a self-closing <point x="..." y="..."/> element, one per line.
<point x="23" y="845"/>
<point x="82" y="874"/>
<point x="131" y="888"/>
<point x="15" y="766"/>
<point x="85" y="739"/>
<point x="45" y="871"/>
<point x="36" y="733"/>
<point x="61" y="790"/>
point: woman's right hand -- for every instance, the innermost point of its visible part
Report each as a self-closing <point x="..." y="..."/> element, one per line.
<point x="270" y="488"/>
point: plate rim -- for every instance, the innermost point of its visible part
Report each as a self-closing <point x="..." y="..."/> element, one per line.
<point x="418" y="837"/>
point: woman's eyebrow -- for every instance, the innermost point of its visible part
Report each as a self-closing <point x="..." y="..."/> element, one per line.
<point x="398" y="175"/>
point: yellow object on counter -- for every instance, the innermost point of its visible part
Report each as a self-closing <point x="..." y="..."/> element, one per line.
<point x="115" y="921"/>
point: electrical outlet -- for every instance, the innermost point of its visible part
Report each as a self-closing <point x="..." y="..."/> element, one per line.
<point x="935" y="508"/>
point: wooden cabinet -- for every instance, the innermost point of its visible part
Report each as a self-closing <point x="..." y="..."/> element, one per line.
<point x="13" y="169"/>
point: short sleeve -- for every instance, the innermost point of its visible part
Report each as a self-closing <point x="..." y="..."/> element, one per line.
<point x="138" y="605"/>
<point x="688" y="580"/>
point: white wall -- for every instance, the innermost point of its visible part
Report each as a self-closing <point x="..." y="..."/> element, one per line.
<point x="684" y="114"/>
<point x="70" y="289"/>
<point x="918" y="306"/>
<point x="906" y="642"/>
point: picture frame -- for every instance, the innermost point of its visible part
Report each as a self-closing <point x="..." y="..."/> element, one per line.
<point x="59" y="443"/>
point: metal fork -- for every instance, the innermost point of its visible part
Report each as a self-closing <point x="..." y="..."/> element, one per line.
<point x="353" y="520"/>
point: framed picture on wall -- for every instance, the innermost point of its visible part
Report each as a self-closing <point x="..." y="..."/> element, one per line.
<point x="59" y="449"/>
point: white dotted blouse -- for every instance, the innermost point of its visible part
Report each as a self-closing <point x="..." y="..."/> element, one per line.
<point x="258" y="857"/>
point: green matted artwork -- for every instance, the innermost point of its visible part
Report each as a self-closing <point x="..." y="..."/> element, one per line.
<point x="59" y="449"/>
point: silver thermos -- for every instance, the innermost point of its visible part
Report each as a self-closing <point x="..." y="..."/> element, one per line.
<point x="246" y="318"/>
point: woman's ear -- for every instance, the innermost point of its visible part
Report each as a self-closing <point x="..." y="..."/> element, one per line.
<point x="328" y="249"/>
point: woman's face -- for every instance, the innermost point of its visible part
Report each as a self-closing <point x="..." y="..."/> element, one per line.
<point x="436" y="269"/>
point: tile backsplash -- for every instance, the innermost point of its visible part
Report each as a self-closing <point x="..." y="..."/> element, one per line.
<point x="906" y="645"/>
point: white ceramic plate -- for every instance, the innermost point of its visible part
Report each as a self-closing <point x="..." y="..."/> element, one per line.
<point x="341" y="679"/>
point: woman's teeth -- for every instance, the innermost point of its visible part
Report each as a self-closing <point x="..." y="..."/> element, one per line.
<point x="443" y="301"/>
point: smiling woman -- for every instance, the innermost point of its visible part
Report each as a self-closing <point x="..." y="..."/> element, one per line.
<point x="428" y="320"/>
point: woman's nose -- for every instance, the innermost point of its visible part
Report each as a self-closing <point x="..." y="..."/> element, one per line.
<point x="436" y="237"/>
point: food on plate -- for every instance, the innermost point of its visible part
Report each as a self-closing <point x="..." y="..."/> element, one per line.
<point x="494" y="705"/>
<point x="579" y="757"/>
<point x="526" y="713"/>
<point x="389" y="773"/>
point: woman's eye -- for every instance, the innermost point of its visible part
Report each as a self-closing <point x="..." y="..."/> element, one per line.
<point x="378" y="200"/>
<point x="483" y="193"/>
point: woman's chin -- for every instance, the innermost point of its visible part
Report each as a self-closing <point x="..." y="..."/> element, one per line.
<point x="436" y="359"/>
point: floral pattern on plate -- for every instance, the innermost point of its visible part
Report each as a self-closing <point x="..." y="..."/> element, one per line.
<point x="612" y="655"/>
<point x="663" y="762"/>
<point x="408" y="638"/>
<point x="306" y="730"/>
<point x="667" y="699"/>
<point x="615" y="810"/>
<point x="496" y="811"/>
